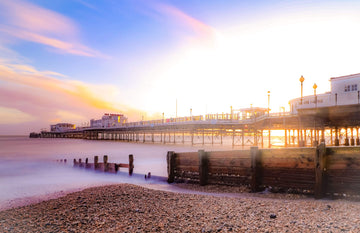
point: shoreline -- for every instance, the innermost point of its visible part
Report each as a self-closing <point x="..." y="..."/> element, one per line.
<point x="132" y="208"/>
<point x="176" y="188"/>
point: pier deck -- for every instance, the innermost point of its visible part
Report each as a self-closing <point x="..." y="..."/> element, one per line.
<point x="337" y="125"/>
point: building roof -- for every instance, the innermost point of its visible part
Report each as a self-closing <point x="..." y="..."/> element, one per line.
<point x="345" y="77"/>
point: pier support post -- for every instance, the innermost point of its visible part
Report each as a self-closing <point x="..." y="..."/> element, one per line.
<point x="171" y="163"/>
<point x="320" y="171"/>
<point x="352" y="140"/>
<point x="203" y="167"/>
<point x="337" y="141"/>
<point x="347" y="143"/>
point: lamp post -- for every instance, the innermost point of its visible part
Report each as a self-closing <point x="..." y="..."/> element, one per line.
<point x="301" y="81"/>
<point x="315" y="86"/>
<point x="268" y="103"/>
<point x="316" y="134"/>
<point x="301" y="142"/>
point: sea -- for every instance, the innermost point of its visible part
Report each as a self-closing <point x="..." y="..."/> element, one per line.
<point x="31" y="167"/>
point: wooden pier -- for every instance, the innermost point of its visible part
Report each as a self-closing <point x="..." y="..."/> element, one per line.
<point x="336" y="125"/>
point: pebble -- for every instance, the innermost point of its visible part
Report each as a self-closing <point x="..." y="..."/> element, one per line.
<point x="130" y="208"/>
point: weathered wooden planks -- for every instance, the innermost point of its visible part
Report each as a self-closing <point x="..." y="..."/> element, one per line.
<point x="105" y="166"/>
<point x="320" y="170"/>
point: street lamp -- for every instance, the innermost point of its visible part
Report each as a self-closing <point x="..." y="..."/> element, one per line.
<point x="301" y="81"/>
<point x="316" y="141"/>
<point x="315" y="86"/>
<point x="301" y="142"/>
<point x="268" y="103"/>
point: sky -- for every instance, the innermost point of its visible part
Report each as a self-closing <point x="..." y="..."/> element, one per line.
<point x="74" y="60"/>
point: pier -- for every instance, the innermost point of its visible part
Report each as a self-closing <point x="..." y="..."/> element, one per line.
<point x="334" y="125"/>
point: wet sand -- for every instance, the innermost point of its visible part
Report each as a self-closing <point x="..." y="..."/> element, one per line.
<point x="130" y="208"/>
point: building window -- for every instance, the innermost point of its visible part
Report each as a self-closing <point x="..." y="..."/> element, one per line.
<point x="354" y="87"/>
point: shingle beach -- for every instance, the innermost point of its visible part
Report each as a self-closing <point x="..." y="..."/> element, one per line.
<point x="130" y="208"/>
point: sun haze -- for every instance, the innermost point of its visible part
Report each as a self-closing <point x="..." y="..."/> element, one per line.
<point x="71" y="61"/>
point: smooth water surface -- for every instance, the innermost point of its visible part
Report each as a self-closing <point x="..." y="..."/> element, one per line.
<point x="28" y="166"/>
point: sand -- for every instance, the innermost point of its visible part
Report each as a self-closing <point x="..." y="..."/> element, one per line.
<point x="130" y="208"/>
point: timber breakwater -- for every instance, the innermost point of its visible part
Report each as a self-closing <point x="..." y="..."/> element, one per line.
<point x="105" y="166"/>
<point x="322" y="171"/>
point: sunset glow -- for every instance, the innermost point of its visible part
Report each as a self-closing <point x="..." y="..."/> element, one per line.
<point x="73" y="61"/>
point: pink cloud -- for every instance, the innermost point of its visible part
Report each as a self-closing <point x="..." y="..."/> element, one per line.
<point x="22" y="14"/>
<point x="29" y="22"/>
<point x="197" y="26"/>
<point x="183" y="20"/>
<point x="48" y="99"/>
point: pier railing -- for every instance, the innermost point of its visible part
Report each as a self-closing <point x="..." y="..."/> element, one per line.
<point x="321" y="170"/>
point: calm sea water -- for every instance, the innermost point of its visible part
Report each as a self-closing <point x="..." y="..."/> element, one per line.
<point x="28" y="166"/>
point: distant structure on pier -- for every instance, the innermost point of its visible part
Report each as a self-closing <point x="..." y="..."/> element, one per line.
<point x="62" y="127"/>
<point x="109" y="120"/>
<point x="345" y="90"/>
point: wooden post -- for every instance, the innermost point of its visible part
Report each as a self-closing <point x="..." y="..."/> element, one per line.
<point x="86" y="163"/>
<point x="171" y="163"/>
<point x="256" y="176"/>
<point x="203" y="167"/>
<point x="320" y="171"/>
<point x="96" y="162"/>
<point x="131" y="164"/>
<point x="106" y="168"/>
<point x="285" y="137"/>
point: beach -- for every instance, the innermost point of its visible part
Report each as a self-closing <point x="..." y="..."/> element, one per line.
<point x="132" y="208"/>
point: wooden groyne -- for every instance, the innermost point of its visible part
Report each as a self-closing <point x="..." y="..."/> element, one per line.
<point x="105" y="166"/>
<point x="322" y="171"/>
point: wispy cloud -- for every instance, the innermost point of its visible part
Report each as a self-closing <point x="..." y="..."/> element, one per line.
<point x="36" y="97"/>
<point x="26" y="21"/>
<point x="180" y="17"/>
<point x="180" y="21"/>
